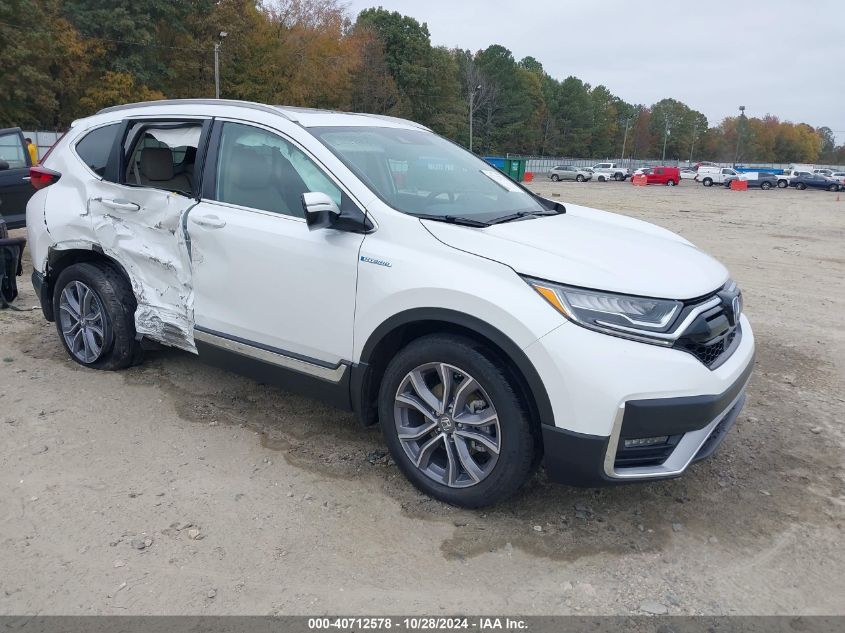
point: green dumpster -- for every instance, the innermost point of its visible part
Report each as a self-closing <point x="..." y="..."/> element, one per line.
<point x="515" y="168"/>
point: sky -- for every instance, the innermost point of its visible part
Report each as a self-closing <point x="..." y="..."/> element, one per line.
<point x="786" y="58"/>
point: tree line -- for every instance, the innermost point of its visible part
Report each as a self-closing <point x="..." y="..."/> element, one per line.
<point x="64" y="59"/>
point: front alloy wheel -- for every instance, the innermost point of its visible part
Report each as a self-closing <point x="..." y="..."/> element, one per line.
<point x="447" y="425"/>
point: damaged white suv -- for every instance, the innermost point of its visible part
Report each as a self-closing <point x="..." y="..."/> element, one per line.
<point x="366" y="261"/>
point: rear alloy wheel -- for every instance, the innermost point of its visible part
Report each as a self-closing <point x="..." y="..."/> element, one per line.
<point x="801" y="186"/>
<point x="555" y="177"/>
<point x="579" y="178"/>
<point x="782" y="184"/>
<point x="670" y="183"/>
<point x="95" y="316"/>
<point x="453" y="422"/>
<point x="765" y="185"/>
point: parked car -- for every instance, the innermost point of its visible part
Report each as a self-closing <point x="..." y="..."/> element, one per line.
<point x="570" y="172"/>
<point x="688" y="174"/>
<point x="708" y="175"/>
<point x="15" y="190"/>
<point x="484" y="327"/>
<point x="760" y="179"/>
<point x="839" y="176"/>
<point x="788" y="174"/>
<point x="610" y="171"/>
<point x="814" y="181"/>
<point x="823" y="172"/>
<point x="662" y="176"/>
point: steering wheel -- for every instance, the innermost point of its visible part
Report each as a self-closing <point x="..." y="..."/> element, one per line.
<point x="430" y="198"/>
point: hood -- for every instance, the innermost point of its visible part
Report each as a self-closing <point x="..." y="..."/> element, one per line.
<point x="593" y="249"/>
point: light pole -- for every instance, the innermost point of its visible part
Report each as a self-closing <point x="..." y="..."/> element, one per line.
<point x="739" y="131"/>
<point x="624" y="138"/>
<point x="692" y="145"/>
<point x="665" y="137"/>
<point x="217" y="65"/>
<point x="471" y="107"/>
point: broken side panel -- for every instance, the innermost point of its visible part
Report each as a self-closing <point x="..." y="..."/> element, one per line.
<point x="142" y="229"/>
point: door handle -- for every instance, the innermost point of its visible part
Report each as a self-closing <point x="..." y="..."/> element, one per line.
<point x="120" y="204"/>
<point x="26" y="179"/>
<point x="209" y="221"/>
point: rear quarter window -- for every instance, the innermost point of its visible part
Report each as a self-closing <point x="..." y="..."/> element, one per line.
<point x="95" y="147"/>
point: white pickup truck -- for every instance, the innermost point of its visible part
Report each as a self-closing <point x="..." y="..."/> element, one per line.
<point x="789" y="174"/>
<point x="610" y="171"/>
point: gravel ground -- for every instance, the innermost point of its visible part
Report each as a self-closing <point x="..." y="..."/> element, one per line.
<point x="176" y="488"/>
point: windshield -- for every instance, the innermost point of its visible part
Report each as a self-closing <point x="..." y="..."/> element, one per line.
<point x="420" y="173"/>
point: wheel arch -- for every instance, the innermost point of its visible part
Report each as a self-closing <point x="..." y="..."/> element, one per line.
<point x="59" y="259"/>
<point x="402" y="328"/>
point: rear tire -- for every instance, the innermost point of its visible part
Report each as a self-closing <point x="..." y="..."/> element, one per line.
<point x="670" y="183"/>
<point x="782" y="184"/>
<point x="833" y="188"/>
<point x="95" y="316"/>
<point x="443" y="462"/>
<point x="555" y="177"/>
<point x="765" y="186"/>
<point x="707" y="182"/>
<point x="801" y="186"/>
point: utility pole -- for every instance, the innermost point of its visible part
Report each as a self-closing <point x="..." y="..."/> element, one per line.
<point x="217" y="65"/>
<point x="471" y="113"/>
<point x="739" y="131"/>
<point x="665" y="137"/>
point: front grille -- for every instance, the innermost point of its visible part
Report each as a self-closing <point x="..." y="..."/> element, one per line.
<point x="653" y="455"/>
<point x="714" y="335"/>
<point x="710" y="353"/>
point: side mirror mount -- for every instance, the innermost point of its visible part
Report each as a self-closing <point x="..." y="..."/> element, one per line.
<point x="320" y="211"/>
<point x="3" y="165"/>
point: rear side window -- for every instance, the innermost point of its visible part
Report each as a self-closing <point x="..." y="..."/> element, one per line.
<point x="95" y="147"/>
<point x="162" y="155"/>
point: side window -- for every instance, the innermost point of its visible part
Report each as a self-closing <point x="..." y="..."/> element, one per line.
<point x="12" y="151"/>
<point x="95" y="147"/>
<point x="162" y="155"/>
<point x="261" y="170"/>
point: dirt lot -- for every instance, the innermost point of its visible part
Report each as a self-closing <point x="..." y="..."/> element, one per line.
<point x="177" y="488"/>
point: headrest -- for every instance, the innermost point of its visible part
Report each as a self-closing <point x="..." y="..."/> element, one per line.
<point x="157" y="163"/>
<point x="249" y="169"/>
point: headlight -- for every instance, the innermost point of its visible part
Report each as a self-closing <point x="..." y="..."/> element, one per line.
<point x="639" y="318"/>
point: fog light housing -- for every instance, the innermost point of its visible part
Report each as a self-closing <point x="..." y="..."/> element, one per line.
<point x="646" y="441"/>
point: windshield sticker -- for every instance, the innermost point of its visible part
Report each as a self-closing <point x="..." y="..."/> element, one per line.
<point x="500" y="179"/>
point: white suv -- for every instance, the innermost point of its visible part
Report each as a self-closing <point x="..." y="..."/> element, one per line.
<point x="366" y="261"/>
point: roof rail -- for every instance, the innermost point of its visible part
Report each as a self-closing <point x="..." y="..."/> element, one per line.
<point x="246" y="104"/>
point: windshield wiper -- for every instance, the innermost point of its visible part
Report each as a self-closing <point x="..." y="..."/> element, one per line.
<point x="522" y="214"/>
<point x="452" y="219"/>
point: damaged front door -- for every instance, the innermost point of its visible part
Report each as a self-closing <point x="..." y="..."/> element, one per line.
<point x="137" y="218"/>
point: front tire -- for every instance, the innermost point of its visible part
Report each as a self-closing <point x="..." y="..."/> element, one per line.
<point x="95" y="316"/>
<point x="782" y="184"/>
<point x="555" y="177"/>
<point x="833" y="188"/>
<point x="801" y="186"/>
<point x="579" y="178"/>
<point x="670" y="183"/>
<point x="453" y="422"/>
<point x="765" y="186"/>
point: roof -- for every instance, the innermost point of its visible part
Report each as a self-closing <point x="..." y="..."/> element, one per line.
<point x="306" y="117"/>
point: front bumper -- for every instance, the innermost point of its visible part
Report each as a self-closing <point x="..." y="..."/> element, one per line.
<point x="605" y="390"/>
<point x="587" y="460"/>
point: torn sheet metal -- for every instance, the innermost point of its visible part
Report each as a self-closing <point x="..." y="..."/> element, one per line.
<point x="150" y="244"/>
